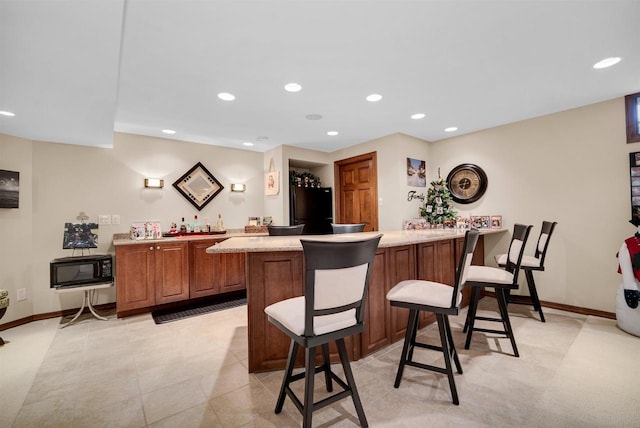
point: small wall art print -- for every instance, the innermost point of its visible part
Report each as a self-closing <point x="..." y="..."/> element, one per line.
<point x="9" y="189"/>
<point x="634" y="172"/>
<point x="416" y="173"/>
<point x="80" y="235"/>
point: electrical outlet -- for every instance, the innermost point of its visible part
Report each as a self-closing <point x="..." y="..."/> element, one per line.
<point x="104" y="219"/>
<point x="22" y="294"/>
<point x="115" y="219"/>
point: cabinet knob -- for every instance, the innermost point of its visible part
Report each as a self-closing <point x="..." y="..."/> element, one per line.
<point x="158" y="247"/>
<point x="150" y="248"/>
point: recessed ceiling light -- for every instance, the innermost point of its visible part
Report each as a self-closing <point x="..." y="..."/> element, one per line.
<point x="292" y="87"/>
<point x="374" y="97"/>
<point x="418" y="116"/>
<point x="226" y="96"/>
<point x="169" y="131"/>
<point x="607" y="62"/>
<point x="7" y="113"/>
<point x="451" y="129"/>
<point x="332" y="133"/>
<point x="247" y="144"/>
<point x="314" y="116"/>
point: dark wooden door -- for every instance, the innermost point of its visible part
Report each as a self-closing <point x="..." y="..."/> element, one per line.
<point x="356" y="183"/>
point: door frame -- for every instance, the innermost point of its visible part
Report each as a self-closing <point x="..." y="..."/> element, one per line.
<point x="337" y="165"/>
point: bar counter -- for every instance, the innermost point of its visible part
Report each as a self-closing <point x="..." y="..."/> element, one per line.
<point x="274" y="272"/>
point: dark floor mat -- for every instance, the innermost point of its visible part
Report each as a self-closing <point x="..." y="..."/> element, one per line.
<point x="164" y="316"/>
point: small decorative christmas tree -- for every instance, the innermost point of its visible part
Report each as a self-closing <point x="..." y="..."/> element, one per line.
<point x="439" y="202"/>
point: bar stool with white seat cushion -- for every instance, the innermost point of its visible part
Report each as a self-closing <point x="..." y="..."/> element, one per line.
<point x="531" y="263"/>
<point x="337" y="275"/>
<point x="441" y="299"/>
<point x="501" y="280"/>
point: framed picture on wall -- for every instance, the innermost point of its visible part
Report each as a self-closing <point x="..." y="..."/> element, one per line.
<point x="416" y="173"/>
<point x="198" y="186"/>
<point x="634" y="174"/>
<point x="9" y="189"/>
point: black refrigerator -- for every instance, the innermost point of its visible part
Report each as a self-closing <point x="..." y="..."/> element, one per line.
<point x="313" y="207"/>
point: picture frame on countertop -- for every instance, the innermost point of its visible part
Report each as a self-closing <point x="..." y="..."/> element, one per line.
<point x="481" y="221"/>
<point x="463" y="223"/>
<point x="198" y="186"/>
<point x="496" y="222"/>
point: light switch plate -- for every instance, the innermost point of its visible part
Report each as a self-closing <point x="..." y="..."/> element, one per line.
<point x="115" y="219"/>
<point x="104" y="219"/>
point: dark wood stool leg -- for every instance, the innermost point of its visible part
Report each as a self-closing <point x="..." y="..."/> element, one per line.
<point x="474" y="301"/>
<point x="414" y="333"/>
<point x="310" y="372"/>
<point x="501" y="296"/>
<point x="447" y="357"/>
<point x="452" y="346"/>
<point x="409" y="334"/>
<point x="533" y="292"/>
<point x="327" y="367"/>
<point x="293" y="351"/>
<point x="471" y="315"/>
<point x="346" y="366"/>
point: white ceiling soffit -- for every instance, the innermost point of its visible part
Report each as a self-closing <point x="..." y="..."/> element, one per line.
<point x="74" y="71"/>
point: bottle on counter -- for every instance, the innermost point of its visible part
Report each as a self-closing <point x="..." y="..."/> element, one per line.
<point x="219" y="223"/>
<point x="183" y="226"/>
<point x="197" y="226"/>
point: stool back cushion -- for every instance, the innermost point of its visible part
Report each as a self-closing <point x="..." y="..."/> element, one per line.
<point x="470" y="241"/>
<point x="337" y="275"/>
<point x="543" y="241"/>
<point x="516" y="249"/>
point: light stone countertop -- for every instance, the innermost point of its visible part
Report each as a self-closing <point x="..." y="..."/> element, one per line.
<point x="390" y="238"/>
<point x="123" y="238"/>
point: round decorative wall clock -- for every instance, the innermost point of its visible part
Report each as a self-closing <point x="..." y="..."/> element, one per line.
<point x="467" y="183"/>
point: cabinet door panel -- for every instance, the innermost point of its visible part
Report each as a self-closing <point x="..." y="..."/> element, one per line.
<point x="376" y="313"/>
<point x="232" y="272"/>
<point x="134" y="277"/>
<point x="171" y="272"/>
<point x="273" y="277"/>
<point x="401" y="266"/>
<point x="202" y="269"/>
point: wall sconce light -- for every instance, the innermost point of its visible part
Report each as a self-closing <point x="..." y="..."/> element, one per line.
<point x="237" y="187"/>
<point x="154" y="183"/>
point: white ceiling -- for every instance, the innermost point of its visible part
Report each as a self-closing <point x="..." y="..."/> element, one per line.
<point x="74" y="71"/>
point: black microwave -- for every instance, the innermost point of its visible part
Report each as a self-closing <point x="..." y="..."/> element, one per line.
<point x="81" y="271"/>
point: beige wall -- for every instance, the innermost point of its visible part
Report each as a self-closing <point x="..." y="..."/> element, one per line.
<point x="16" y="230"/>
<point x="392" y="153"/>
<point x="570" y="167"/>
<point x="67" y="179"/>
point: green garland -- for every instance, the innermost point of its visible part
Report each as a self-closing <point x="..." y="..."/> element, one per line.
<point x="293" y="176"/>
<point x="438" y="205"/>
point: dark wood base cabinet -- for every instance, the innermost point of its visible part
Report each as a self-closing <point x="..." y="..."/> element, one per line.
<point x="276" y="276"/>
<point x="211" y="274"/>
<point x="149" y="275"/>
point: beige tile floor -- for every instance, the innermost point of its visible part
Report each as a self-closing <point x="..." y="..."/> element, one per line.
<point x="574" y="371"/>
